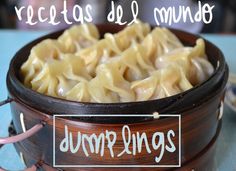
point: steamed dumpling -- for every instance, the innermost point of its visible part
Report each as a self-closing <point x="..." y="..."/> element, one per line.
<point x="135" y="64"/>
<point x="79" y="92"/>
<point x="162" y="83"/>
<point x="79" y="37"/>
<point x="113" y="45"/>
<point x="112" y="79"/>
<point x="59" y="76"/>
<point x="72" y="40"/>
<point x="193" y="60"/>
<point x="39" y="55"/>
<point x="160" y="41"/>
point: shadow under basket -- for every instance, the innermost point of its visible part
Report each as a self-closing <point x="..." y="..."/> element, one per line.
<point x="200" y="110"/>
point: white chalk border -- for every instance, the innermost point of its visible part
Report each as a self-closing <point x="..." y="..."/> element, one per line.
<point x="116" y="166"/>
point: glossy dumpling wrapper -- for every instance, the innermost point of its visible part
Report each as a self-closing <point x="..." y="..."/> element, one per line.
<point x="113" y="45"/>
<point x="79" y="37"/>
<point x="39" y="55"/>
<point x="139" y="58"/>
<point x="133" y="34"/>
<point x="193" y="60"/>
<point x="110" y="78"/>
<point x="59" y="76"/>
<point x="162" y="83"/>
<point x="136" y="63"/>
<point x="160" y="41"/>
<point x="202" y="67"/>
<point x="100" y="94"/>
<point x="79" y="92"/>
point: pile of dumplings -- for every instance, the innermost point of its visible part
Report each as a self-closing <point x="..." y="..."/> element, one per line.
<point x="135" y="64"/>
